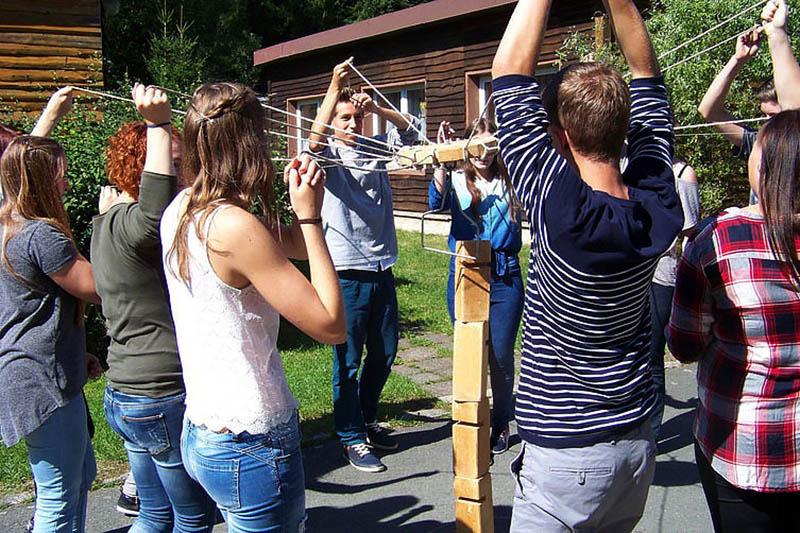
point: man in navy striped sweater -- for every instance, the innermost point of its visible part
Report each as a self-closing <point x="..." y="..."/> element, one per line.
<point x="585" y="392"/>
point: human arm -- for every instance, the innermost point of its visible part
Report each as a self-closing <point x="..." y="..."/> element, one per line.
<point x="633" y="39"/>
<point x="689" y="194"/>
<point x="139" y="223"/>
<point x="320" y="129"/>
<point x="365" y="103"/>
<point x="59" y="105"/>
<point x="712" y="106"/>
<point x="689" y="330"/>
<point x="76" y="278"/>
<point x="242" y="250"/>
<point x="786" y="69"/>
<point x="518" y="52"/>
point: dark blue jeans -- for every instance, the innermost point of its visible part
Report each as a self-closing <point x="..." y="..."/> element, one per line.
<point x="151" y="431"/>
<point x="370" y="303"/>
<point x="660" y="309"/>
<point x="505" y="313"/>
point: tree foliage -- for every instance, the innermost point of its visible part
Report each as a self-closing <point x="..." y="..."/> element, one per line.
<point x="723" y="179"/>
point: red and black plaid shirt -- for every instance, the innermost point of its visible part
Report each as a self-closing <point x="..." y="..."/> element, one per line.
<point x="737" y="312"/>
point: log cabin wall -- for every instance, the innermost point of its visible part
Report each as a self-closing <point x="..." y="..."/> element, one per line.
<point x="448" y="57"/>
<point x="45" y="44"/>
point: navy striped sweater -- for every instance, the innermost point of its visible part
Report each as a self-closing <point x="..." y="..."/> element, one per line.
<point x="585" y="374"/>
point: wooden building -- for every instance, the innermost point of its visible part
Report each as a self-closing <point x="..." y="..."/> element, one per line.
<point x="432" y="60"/>
<point x="45" y="44"/>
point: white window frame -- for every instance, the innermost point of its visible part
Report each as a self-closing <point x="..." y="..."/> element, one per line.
<point x="403" y="90"/>
<point x="483" y="94"/>
<point x="300" y="122"/>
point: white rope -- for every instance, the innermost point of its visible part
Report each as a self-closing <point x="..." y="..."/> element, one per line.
<point x="391" y="105"/>
<point x="309" y="130"/>
<point x="370" y="157"/>
<point x="701" y="52"/>
<point x="330" y="126"/>
<point x="707" y="124"/>
<point x="114" y="97"/>
<point x="724" y="22"/>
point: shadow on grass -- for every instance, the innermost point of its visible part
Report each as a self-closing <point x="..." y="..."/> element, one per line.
<point x="313" y="428"/>
<point x="401" y="281"/>
<point x="412" y="326"/>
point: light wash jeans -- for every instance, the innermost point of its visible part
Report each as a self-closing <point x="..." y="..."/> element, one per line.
<point x="62" y="462"/>
<point x="256" y="480"/>
<point x="600" y="488"/>
<point x="151" y="430"/>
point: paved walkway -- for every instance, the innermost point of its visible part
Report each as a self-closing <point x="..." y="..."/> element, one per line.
<point x="415" y="493"/>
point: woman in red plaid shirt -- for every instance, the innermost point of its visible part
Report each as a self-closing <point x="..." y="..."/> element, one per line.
<point x="737" y="311"/>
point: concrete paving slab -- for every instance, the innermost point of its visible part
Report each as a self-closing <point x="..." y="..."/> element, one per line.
<point x="415" y="493"/>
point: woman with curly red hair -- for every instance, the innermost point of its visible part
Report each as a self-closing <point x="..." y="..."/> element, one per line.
<point x="144" y="400"/>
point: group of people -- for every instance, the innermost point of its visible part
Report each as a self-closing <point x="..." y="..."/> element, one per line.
<point x="192" y="285"/>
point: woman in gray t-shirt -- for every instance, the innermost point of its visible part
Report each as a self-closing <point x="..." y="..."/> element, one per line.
<point x="43" y="361"/>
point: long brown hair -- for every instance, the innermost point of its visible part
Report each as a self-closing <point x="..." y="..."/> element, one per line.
<point x="779" y="187"/>
<point x="226" y="159"/>
<point x="497" y="168"/>
<point x="30" y="168"/>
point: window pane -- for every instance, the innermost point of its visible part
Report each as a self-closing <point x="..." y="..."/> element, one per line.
<point x="395" y="98"/>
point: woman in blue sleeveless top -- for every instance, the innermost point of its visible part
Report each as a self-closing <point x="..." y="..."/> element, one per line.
<point x="483" y="206"/>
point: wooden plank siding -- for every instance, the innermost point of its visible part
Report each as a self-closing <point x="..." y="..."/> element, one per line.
<point x="441" y="54"/>
<point x="46" y="44"/>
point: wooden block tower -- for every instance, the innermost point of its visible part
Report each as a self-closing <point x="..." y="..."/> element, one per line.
<point x="472" y="484"/>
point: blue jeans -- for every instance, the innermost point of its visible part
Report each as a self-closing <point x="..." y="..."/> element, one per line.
<point x="62" y="462"/>
<point x="660" y="309"/>
<point x="151" y="430"/>
<point x="256" y="480"/>
<point x="370" y="303"/>
<point x="505" y="313"/>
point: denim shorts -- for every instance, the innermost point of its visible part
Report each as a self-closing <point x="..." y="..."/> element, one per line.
<point x="257" y="481"/>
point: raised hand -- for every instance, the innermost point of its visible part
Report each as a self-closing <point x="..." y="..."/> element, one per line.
<point x="109" y="197"/>
<point x="748" y="44"/>
<point x="152" y="104"/>
<point x="59" y="105"/>
<point x="306" y="182"/>
<point x="341" y="74"/>
<point x="364" y="103"/>
<point x="446" y="132"/>
<point x="774" y="16"/>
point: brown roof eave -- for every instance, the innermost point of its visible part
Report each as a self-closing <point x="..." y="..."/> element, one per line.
<point x="427" y="13"/>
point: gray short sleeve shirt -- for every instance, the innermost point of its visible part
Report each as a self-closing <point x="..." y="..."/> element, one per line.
<point x="42" y="348"/>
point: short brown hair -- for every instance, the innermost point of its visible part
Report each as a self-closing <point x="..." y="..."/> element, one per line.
<point x="594" y="108"/>
<point x="766" y="92"/>
<point x="345" y="94"/>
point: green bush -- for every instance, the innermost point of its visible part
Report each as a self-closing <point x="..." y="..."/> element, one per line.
<point x="723" y="178"/>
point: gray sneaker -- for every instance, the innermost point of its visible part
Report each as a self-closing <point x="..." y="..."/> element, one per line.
<point x="360" y="456"/>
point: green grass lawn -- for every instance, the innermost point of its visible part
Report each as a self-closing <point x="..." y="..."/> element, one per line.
<point x="421" y="277"/>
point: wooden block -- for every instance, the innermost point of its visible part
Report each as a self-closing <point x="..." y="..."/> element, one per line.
<point x="473" y="489"/>
<point x="454" y="151"/>
<point x="470" y="357"/>
<point x="470" y="450"/>
<point x="474" y="517"/>
<point x="472" y="281"/>
<point x="476" y="413"/>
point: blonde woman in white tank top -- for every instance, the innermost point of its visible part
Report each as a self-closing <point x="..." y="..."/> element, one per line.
<point x="229" y="279"/>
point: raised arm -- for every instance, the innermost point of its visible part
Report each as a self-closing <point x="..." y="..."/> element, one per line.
<point x="633" y="38"/>
<point x="518" y="52"/>
<point x="154" y="107"/>
<point x="712" y="107"/>
<point x="787" y="71"/>
<point x="321" y="127"/>
<point x="59" y="105"/>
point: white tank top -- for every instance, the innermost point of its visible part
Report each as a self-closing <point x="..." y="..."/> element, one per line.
<point x="227" y="338"/>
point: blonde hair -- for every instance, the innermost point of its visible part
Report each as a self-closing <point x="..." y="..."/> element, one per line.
<point x="226" y="159"/>
<point x="30" y="168"/>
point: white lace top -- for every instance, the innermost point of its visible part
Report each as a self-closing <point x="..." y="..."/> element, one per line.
<point x="227" y="343"/>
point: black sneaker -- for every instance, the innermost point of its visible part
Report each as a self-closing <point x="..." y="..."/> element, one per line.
<point x="362" y="458"/>
<point x="128" y="505"/>
<point x="499" y="441"/>
<point x="378" y="437"/>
